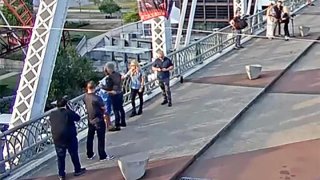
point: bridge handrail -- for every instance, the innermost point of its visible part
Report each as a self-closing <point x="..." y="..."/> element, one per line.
<point x="26" y="141"/>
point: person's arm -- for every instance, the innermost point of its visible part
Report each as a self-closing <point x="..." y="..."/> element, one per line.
<point x="155" y="66"/>
<point x="73" y="116"/>
<point x="126" y="75"/>
<point x="101" y="105"/>
<point x="169" y="68"/>
<point x="142" y="81"/>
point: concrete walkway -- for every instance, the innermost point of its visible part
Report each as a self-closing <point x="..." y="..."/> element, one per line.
<point x="203" y="105"/>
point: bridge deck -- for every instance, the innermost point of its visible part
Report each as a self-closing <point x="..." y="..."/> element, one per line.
<point x="205" y="103"/>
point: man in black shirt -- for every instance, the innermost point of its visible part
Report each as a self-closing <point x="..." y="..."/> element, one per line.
<point x="278" y="11"/>
<point x="95" y="109"/>
<point x="64" y="134"/>
<point x="163" y="65"/>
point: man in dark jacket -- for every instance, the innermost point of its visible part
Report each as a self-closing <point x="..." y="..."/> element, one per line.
<point x="64" y="134"/>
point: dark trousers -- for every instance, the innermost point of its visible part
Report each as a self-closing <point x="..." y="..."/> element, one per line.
<point x="61" y="151"/>
<point x="286" y="29"/>
<point x="100" y="128"/>
<point x="165" y="87"/>
<point x="238" y="38"/>
<point x="134" y="93"/>
<point x="278" y="27"/>
<point x="117" y="106"/>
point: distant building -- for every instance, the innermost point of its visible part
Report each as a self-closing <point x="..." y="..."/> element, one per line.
<point x="211" y="14"/>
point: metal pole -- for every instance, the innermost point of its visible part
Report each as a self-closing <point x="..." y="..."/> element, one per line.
<point x="181" y="23"/>
<point x="190" y="23"/>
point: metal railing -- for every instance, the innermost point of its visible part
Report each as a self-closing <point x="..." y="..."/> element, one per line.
<point x="30" y="139"/>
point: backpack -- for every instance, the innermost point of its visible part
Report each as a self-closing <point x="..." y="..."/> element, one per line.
<point x="242" y="23"/>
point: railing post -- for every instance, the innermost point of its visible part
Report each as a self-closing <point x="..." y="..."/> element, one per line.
<point x="219" y="41"/>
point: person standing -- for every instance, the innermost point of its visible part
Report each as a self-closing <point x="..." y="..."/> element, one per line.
<point x="278" y="13"/>
<point x="95" y="109"/>
<point x="137" y="86"/>
<point x="64" y="134"/>
<point x="116" y="95"/>
<point x="271" y="20"/>
<point x="286" y="20"/>
<point x="235" y="23"/>
<point x="163" y="65"/>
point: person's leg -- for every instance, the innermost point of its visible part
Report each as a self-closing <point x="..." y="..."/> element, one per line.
<point x="279" y="28"/>
<point x="164" y="94"/>
<point x="168" y="90"/>
<point x="286" y="30"/>
<point x="140" y="94"/>
<point x="73" y="151"/>
<point x="238" y="38"/>
<point x="90" y="137"/>
<point x="115" y="109"/>
<point x="101" y="134"/>
<point x="133" y="101"/>
<point x="61" y="156"/>
<point x="121" y="110"/>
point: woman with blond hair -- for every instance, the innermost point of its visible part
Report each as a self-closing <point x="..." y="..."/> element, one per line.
<point x="137" y="86"/>
<point x="286" y="19"/>
<point x="271" y="20"/>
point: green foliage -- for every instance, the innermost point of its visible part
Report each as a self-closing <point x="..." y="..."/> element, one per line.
<point x="70" y="74"/>
<point x="131" y="17"/>
<point x="109" y="7"/>
<point x="11" y="17"/>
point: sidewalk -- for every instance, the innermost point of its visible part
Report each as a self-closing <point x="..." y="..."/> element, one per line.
<point x="208" y="101"/>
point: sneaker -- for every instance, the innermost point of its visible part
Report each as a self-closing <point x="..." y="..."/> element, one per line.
<point x="133" y="114"/>
<point x="123" y="125"/>
<point x="82" y="171"/>
<point x="92" y="157"/>
<point x="113" y="128"/>
<point x="169" y="104"/>
<point x="62" y="177"/>
<point x="139" y="112"/>
<point x="164" y="102"/>
<point x="109" y="157"/>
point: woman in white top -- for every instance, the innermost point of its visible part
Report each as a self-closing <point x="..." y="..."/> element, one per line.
<point x="271" y="20"/>
<point x="137" y="85"/>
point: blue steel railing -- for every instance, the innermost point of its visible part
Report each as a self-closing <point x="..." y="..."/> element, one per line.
<point x="30" y="139"/>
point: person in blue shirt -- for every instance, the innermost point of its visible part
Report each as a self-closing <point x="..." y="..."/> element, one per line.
<point x="137" y="86"/>
<point x="108" y="104"/>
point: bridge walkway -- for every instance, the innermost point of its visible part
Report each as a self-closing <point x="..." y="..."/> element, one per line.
<point x="202" y="106"/>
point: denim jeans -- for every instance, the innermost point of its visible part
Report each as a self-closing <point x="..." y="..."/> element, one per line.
<point x="165" y="87"/>
<point x="61" y="151"/>
<point x="238" y="38"/>
<point x="117" y="106"/>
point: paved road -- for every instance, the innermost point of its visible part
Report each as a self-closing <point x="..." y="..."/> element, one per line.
<point x="208" y="101"/>
<point x="289" y="113"/>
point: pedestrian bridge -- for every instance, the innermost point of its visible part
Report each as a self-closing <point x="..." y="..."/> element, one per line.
<point x="214" y="93"/>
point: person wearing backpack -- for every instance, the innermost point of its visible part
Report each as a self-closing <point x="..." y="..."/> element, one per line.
<point x="237" y="25"/>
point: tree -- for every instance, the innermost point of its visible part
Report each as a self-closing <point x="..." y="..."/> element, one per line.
<point x="70" y="74"/>
<point x="131" y="17"/>
<point x="12" y="20"/>
<point x="109" y="7"/>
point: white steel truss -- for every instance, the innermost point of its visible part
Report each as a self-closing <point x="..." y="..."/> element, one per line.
<point x="190" y="23"/>
<point x="239" y="5"/>
<point x="40" y="60"/>
<point x="161" y="35"/>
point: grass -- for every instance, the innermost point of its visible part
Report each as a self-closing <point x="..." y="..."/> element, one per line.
<point x="9" y="85"/>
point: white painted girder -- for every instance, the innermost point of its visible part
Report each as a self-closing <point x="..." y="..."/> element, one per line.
<point x="40" y="60"/>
